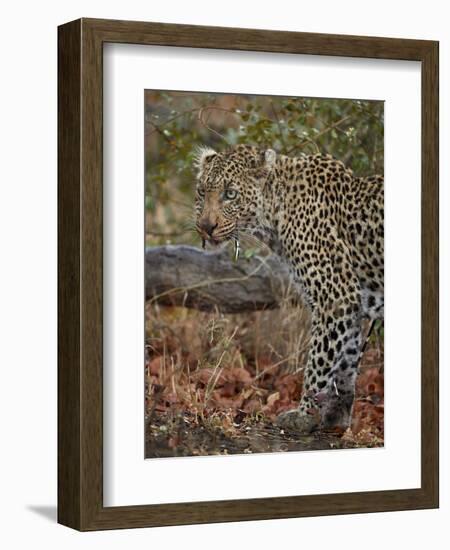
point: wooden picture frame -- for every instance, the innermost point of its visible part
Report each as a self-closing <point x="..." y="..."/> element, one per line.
<point x="80" y="272"/>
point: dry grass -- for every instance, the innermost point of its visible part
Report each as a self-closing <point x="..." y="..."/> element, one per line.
<point x="185" y="347"/>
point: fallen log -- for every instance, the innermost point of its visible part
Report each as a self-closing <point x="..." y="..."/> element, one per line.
<point x="210" y="280"/>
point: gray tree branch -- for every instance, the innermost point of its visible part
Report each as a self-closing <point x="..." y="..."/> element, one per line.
<point x="188" y="276"/>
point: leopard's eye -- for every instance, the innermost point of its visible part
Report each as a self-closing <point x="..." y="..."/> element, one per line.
<point x="230" y="194"/>
<point x="201" y="191"/>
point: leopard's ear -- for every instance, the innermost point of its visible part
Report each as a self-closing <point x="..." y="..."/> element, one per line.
<point x="203" y="156"/>
<point x="269" y="159"/>
<point x="267" y="163"/>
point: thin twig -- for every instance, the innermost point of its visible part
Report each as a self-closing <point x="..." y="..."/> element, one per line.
<point x="169" y="120"/>
<point x="207" y="283"/>
<point x="204" y="124"/>
<point x="317" y="136"/>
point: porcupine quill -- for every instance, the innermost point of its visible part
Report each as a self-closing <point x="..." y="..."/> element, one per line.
<point x="237" y="248"/>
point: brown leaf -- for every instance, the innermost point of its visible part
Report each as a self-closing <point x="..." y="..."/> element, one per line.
<point x="273" y="398"/>
<point x="239" y="374"/>
<point x="154" y="366"/>
<point x="207" y="375"/>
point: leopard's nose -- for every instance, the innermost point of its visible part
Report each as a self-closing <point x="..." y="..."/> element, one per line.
<point x="207" y="226"/>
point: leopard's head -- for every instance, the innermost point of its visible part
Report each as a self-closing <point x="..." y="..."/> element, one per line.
<point x="230" y="187"/>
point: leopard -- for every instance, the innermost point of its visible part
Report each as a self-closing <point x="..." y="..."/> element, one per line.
<point x="327" y="226"/>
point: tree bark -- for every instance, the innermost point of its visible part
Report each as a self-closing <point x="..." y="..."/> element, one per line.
<point x="209" y="280"/>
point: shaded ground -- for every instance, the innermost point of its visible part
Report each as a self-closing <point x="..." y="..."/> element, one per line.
<point x="182" y="435"/>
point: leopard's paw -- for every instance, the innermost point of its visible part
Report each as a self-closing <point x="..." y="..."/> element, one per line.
<point x="298" y="421"/>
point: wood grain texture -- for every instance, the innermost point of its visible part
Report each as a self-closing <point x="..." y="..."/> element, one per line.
<point x="91" y="276"/>
<point x="181" y="275"/>
<point x="193" y="36"/>
<point x="430" y="273"/>
<point x="69" y="245"/>
<point x="80" y="241"/>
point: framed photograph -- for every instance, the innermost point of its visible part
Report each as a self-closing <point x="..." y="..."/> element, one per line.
<point x="248" y="274"/>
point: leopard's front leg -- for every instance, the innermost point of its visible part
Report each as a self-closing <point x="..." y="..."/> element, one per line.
<point x="330" y="374"/>
<point x="335" y="399"/>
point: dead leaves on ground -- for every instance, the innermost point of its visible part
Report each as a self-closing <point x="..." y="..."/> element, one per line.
<point x="219" y="406"/>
